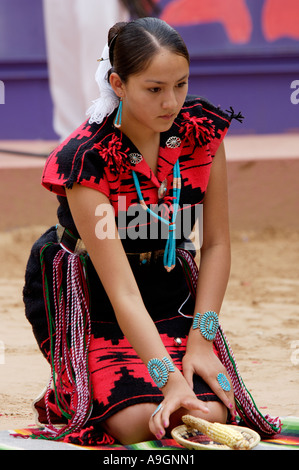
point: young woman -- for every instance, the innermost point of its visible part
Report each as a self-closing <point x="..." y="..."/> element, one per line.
<point x="109" y="283"/>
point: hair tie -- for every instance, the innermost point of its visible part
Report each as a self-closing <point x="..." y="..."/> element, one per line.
<point x="108" y="101"/>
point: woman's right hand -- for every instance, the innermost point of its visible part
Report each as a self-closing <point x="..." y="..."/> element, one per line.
<point x="177" y="394"/>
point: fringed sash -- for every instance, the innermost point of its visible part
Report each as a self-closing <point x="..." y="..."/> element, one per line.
<point x="247" y="408"/>
<point x="69" y="330"/>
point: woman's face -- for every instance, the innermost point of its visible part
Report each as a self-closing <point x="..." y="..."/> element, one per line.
<point x="153" y="98"/>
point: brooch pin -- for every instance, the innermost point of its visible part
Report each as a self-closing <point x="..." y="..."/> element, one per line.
<point x="135" y="158"/>
<point x="173" y="142"/>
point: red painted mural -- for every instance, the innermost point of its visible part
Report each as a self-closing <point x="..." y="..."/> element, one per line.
<point x="279" y="19"/>
<point x="186" y="12"/>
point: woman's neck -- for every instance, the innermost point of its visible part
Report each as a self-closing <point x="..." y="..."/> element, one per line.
<point x="148" y="144"/>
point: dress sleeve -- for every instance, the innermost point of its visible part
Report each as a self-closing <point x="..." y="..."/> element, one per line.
<point x="208" y="123"/>
<point x="76" y="161"/>
<point x="221" y="123"/>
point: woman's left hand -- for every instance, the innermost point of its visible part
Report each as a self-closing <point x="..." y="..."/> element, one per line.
<point x="201" y="360"/>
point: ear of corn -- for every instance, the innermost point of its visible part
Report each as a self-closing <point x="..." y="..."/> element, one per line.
<point x="220" y="433"/>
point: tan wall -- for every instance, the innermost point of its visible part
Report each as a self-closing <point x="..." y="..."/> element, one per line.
<point x="263" y="185"/>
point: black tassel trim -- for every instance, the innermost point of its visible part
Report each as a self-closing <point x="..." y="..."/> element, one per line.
<point x="239" y="117"/>
<point x="69" y="184"/>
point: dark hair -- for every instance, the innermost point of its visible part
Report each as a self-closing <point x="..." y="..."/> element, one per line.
<point x="132" y="45"/>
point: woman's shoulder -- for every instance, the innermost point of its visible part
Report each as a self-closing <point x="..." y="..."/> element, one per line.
<point x="198" y="112"/>
<point x="203" y="123"/>
<point x="201" y="106"/>
<point x="82" y="139"/>
<point x="76" y="159"/>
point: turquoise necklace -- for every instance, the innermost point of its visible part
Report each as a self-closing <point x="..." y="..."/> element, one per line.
<point x="170" y="248"/>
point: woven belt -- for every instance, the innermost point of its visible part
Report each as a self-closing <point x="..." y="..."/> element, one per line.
<point x="146" y="257"/>
<point x="75" y="245"/>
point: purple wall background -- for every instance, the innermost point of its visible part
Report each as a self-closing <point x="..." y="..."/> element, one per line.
<point x="27" y="112"/>
<point x="254" y="78"/>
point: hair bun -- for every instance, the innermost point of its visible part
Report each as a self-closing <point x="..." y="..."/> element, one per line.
<point x="115" y="30"/>
<point x="112" y="35"/>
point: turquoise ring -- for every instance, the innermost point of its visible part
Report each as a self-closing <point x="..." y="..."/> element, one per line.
<point x="223" y="382"/>
<point x="159" y="408"/>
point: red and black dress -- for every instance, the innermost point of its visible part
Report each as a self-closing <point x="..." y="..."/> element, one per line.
<point x="102" y="158"/>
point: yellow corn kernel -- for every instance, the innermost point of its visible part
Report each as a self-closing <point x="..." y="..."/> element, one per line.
<point x="220" y="433"/>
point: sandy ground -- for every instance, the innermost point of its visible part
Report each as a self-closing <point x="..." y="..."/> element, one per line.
<point x="260" y="316"/>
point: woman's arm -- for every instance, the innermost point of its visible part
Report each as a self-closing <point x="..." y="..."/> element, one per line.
<point x="114" y="271"/>
<point x="113" y="268"/>
<point x="215" y="253"/>
<point x="213" y="278"/>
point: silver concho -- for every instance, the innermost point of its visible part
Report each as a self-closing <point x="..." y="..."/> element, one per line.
<point x="177" y="342"/>
<point x="135" y="158"/>
<point x="173" y="142"/>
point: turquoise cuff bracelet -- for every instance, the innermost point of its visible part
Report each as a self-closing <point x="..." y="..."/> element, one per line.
<point x="159" y="370"/>
<point x="207" y="324"/>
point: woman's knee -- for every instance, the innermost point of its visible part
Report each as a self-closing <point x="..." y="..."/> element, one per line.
<point x="131" y="424"/>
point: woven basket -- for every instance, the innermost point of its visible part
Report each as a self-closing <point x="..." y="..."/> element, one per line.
<point x="195" y="440"/>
